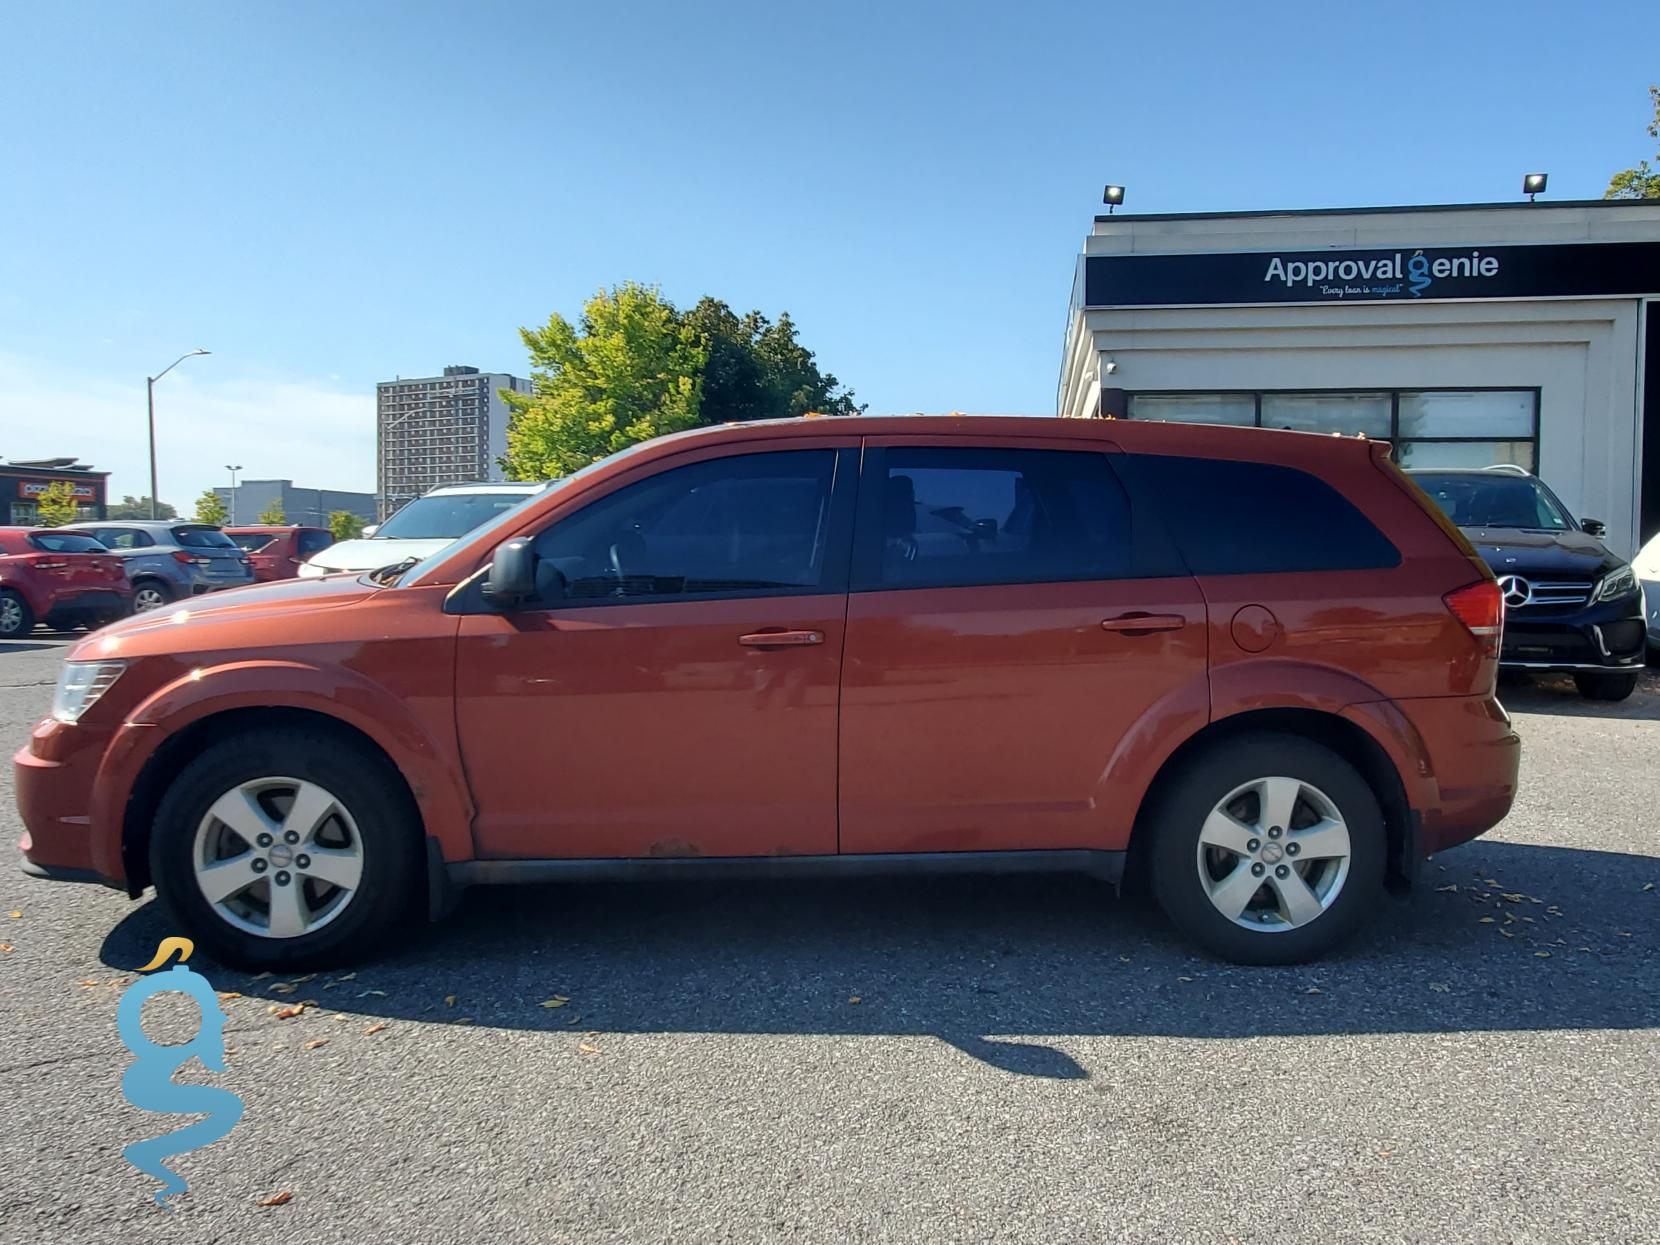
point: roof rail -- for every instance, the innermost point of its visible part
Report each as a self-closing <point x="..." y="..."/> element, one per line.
<point x="1509" y="469"/>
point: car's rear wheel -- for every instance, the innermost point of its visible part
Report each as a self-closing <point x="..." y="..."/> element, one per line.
<point x="281" y="849"/>
<point x="150" y="594"/>
<point x="1606" y="686"/>
<point x="16" y="618"/>
<point x="1267" y="849"/>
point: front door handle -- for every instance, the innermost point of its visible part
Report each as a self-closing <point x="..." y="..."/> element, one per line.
<point x="781" y="639"/>
<point x="1143" y="624"/>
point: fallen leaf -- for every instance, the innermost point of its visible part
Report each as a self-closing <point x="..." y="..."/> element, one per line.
<point x="15" y="914"/>
<point x="302" y="980"/>
<point x="1486" y="920"/>
<point x="1648" y="886"/>
<point x="230" y="994"/>
<point x="1314" y="990"/>
<point x="347" y="977"/>
<point x="1529" y="920"/>
<point x="374" y="1028"/>
<point x="259" y="976"/>
<point x="1543" y="955"/>
<point x="339" y="1016"/>
<point x="1184" y="979"/>
<point x="87" y="981"/>
<point x="286" y="1013"/>
<point x="587" y="1048"/>
<point x="314" y="1043"/>
<point x="1440" y="987"/>
<point x="380" y="994"/>
<point x="449" y="1000"/>
<point x="1622" y="933"/>
<point x="1514" y="898"/>
<point x="277" y="1199"/>
<point x="1507" y="933"/>
<point x="1450" y="886"/>
<point x="853" y="998"/>
<point x="557" y="1000"/>
<point x="6" y="948"/>
<point x="1383" y="1154"/>
<point x="1585" y="948"/>
<point x="574" y="1020"/>
<point x="283" y="987"/>
<point x="463" y="1020"/>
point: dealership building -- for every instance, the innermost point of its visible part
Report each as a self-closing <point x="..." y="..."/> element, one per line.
<point x="1524" y="333"/>
<point x="23" y="481"/>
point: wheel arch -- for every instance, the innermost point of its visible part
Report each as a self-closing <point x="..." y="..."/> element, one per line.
<point x="1341" y="734"/>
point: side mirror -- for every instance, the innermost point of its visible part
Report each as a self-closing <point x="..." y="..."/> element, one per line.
<point x="1593" y="527"/>
<point x="512" y="574"/>
<point x="371" y="529"/>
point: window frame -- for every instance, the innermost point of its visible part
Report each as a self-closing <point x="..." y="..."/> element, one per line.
<point x="868" y="539"/>
<point x="468" y="597"/>
<point x="1394" y="394"/>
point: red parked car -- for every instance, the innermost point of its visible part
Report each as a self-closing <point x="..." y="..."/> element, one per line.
<point x="277" y="552"/>
<point x="1255" y="667"/>
<point x="63" y="579"/>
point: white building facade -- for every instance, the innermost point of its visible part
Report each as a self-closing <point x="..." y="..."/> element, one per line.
<point x="1522" y="333"/>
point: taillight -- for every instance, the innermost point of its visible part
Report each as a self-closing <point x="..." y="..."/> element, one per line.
<point x="189" y="559"/>
<point x="1480" y="607"/>
<point x="47" y="564"/>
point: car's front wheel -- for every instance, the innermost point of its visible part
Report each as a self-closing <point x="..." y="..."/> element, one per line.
<point x="1267" y="849"/>
<point x="284" y="849"/>
<point x="1606" y="686"/>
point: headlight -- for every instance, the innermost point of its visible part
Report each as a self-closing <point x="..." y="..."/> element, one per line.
<point x="1616" y="584"/>
<point x="80" y="684"/>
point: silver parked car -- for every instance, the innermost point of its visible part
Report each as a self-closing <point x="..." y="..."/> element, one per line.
<point x="170" y="559"/>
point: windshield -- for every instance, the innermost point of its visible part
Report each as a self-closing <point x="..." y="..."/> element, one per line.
<point x="202" y="538"/>
<point x="251" y="542"/>
<point x="1491" y="499"/>
<point x="444" y="516"/>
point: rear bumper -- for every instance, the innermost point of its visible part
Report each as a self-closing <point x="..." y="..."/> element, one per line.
<point x="1469" y="757"/>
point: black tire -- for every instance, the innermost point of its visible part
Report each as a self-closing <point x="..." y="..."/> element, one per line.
<point x="362" y="782"/>
<point x="142" y="587"/>
<point x="1606" y="686"/>
<point x="1194" y="790"/>
<point x="16" y="618"/>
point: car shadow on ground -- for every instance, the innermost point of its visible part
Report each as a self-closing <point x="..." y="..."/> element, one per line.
<point x="1501" y="936"/>
<point x="1556" y="694"/>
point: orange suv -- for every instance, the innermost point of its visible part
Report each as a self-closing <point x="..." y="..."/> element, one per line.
<point x="1256" y="668"/>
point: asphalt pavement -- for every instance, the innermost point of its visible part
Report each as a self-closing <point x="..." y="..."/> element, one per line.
<point x="952" y="1059"/>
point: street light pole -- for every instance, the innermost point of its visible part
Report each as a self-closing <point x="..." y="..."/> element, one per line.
<point x="233" y="471"/>
<point x="150" y="397"/>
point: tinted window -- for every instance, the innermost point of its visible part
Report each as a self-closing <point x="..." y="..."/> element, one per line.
<point x="1237" y="518"/>
<point x="123" y="538"/>
<point x="65" y="542"/>
<point x="202" y="538"/>
<point x="314" y="542"/>
<point x="1494" y="499"/>
<point x="732" y="526"/>
<point x="444" y="516"/>
<point x="955" y="516"/>
<point x="251" y="542"/>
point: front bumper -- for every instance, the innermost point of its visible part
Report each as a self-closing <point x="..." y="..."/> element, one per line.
<point x="1608" y="636"/>
<point x="55" y="772"/>
<point x="1651" y="599"/>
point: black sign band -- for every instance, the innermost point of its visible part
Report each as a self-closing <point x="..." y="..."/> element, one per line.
<point x="1401" y="274"/>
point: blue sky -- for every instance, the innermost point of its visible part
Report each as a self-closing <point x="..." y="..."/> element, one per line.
<point x="326" y="195"/>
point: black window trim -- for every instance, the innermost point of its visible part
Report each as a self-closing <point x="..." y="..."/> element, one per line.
<point x="468" y="597"/>
<point x="868" y="537"/>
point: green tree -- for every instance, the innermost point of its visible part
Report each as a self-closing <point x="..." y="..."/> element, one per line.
<point x="209" y="509"/>
<point x="1642" y="182"/>
<point x="57" y="504"/>
<point x="632" y="369"/>
<point x="131" y="507"/>
<point x="273" y="514"/>
<point x="345" y="525"/>
<point x="758" y="369"/>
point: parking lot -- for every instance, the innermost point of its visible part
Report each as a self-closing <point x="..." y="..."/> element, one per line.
<point x="936" y="1059"/>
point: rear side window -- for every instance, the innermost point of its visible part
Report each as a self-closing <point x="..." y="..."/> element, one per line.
<point x="251" y="542"/>
<point x="65" y="542"/>
<point x="202" y="538"/>
<point x="123" y="538"/>
<point x="952" y="516"/>
<point x="1241" y="518"/>
<point x="314" y="542"/>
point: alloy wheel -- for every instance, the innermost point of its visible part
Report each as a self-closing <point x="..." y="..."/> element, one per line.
<point x="11" y="616"/>
<point x="1273" y="854"/>
<point x="146" y="599"/>
<point x="278" y="857"/>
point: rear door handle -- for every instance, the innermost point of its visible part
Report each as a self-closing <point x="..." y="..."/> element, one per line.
<point x="781" y="639"/>
<point x="1144" y="624"/>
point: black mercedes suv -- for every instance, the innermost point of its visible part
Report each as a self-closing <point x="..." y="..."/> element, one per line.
<point x="1570" y="605"/>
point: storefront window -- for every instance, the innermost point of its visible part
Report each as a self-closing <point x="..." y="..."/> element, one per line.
<point x="1328" y="412"/>
<point x="1428" y="428"/>
<point x="1195" y="408"/>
